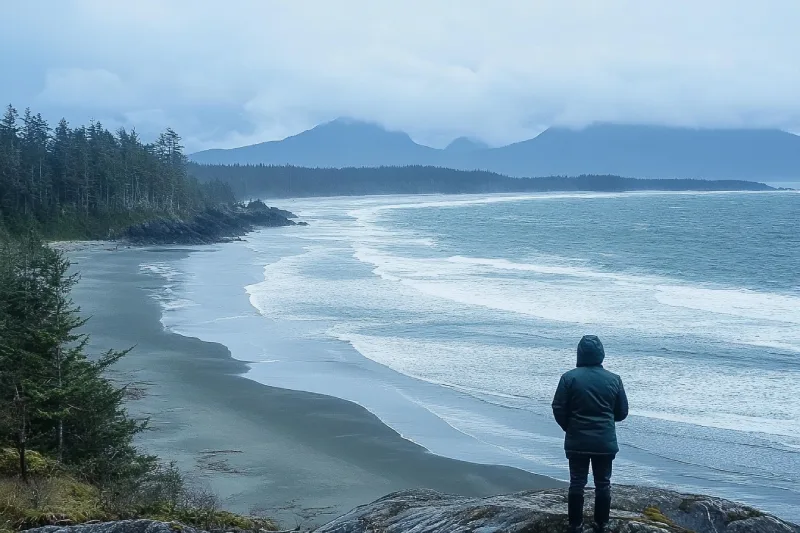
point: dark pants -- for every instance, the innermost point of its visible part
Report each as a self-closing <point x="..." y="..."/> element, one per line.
<point x="579" y="475"/>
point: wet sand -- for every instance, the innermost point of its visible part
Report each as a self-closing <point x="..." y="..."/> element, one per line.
<point x="302" y="458"/>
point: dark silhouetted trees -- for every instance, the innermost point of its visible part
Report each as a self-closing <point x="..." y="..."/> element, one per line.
<point x="86" y="181"/>
<point x="265" y="181"/>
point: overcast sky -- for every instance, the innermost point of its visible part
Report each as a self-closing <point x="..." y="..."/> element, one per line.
<point x="235" y="72"/>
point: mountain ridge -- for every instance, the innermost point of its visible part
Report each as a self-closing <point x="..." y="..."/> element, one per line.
<point x="643" y="151"/>
<point x="466" y="144"/>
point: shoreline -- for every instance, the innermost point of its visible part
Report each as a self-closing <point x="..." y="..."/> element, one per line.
<point x="290" y="364"/>
<point x="311" y="291"/>
<point x="301" y="457"/>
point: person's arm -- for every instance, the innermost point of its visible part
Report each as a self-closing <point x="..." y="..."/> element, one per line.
<point x="561" y="404"/>
<point x="621" y="405"/>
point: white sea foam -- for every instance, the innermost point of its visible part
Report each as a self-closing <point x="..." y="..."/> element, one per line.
<point x="731" y="421"/>
<point x="166" y="294"/>
<point x="370" y="212"/>
<point x="493" y="329"/>
<point x="734" y="302"/>
<point x="162" y="269"/>
<point x="416" y="287"/>
<point x="734" y="398"/>
<point x="584" y="296"/>
<point x="525" y="444"/>
<point x="505" y="264"/>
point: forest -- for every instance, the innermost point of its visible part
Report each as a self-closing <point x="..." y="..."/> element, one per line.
<point x="87" y="182"/>
<point x="68" y="450"/>
<point x="267" y="181"/>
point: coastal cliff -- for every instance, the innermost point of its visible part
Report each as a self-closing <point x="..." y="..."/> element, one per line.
<point x="212" y="225"/>
<point x="635" y="510"/>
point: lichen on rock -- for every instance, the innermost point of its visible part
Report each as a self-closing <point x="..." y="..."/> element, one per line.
<point x="635" y="510"/>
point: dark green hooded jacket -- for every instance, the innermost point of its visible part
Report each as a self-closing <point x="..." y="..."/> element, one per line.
<point x="588" y="403"/>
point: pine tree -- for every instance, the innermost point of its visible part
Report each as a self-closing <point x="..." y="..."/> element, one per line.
<point x="53" y="398"/>
<point x="20" y="366"/>
<point x="59" y="162"/>
<point x="9" y="160"/>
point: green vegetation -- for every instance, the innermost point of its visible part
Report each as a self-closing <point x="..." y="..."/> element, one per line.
<point x="654" y="514"/>
<point x="744" y="514"/>
<point x="86" y="182"/>
<point x="60" y="498"/>
<point x="53" y="398"/>
<point x="67" y="450"/>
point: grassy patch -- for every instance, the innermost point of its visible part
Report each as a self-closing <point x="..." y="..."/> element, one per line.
<point x="744" y="514"/>
<point x="48" y="500"/>
<point x="654" y="514"/>
<point x="214" y="520"/>
<point x="38" y="464"/>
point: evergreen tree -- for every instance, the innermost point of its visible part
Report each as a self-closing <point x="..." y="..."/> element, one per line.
<point x="9" y="160"/>
<point x="53" y="398"/>
<point x="21" y="293"/>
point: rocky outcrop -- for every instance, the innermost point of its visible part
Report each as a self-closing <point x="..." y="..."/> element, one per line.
<point x="121" y="526"/>
<point x="636" y="510"/>
<point x="212" y="225"/>
<point x="135" y="526"/>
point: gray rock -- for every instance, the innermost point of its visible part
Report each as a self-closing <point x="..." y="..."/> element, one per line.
<point x="214" y="224"/>
<point x="635" y="510"/>
<point x="120" y="526"/>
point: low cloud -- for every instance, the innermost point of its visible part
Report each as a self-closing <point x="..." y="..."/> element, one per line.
<point x="85" y="88"/>
<point x="226" y="74"/>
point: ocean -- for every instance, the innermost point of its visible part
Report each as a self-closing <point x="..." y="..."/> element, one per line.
<point x="451" y="318"/>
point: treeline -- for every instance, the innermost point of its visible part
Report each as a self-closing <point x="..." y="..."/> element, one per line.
<point x="267" y="181"/>
<point x="86" y="181"/>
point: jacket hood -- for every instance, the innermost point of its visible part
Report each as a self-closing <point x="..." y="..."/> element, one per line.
<point x="590" y="351"/>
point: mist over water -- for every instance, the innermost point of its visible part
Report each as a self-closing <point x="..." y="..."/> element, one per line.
<point x="472" y="306"/>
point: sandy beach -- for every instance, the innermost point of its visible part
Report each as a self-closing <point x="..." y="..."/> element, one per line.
<point x="302" y="458"/>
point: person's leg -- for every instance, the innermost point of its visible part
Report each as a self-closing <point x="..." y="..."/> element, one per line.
<point x="578" y="476"/>
<point x="601" y="471"/>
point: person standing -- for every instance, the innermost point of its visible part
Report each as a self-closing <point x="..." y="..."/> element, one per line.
<point x="588" y="403"/>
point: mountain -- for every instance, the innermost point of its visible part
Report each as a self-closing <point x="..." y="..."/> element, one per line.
<point x="340" y="143"/>
<point x="654" y="152"/>
<point x="624" y="150"/>
<point x="465" y="144"/>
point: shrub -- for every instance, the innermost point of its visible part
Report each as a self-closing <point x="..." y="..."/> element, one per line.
<point x="38" y="464"/>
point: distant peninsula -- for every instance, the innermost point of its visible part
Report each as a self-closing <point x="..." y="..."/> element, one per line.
<point x="267" y="181"/>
